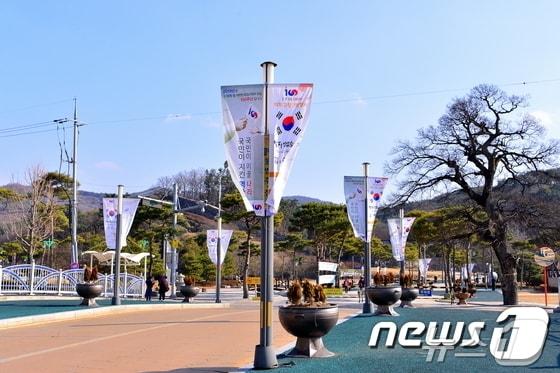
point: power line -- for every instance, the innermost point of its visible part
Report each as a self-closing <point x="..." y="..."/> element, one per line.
<point x="23" y="129"/>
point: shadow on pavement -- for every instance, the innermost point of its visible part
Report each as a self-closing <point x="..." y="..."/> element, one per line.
<point x="199" y="370"/>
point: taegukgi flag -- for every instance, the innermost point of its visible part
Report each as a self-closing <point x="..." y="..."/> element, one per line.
<point x="212" y="243"/>
<point x="356" y="196"/>
<point x="110" y="219"/>
<point x="399" y="235"/>
<point x="261" y="143"/>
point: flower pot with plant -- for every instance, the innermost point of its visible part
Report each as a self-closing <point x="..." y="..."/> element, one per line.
<point x="308" y="317"/>
<point x="89" y="289"/>
<point x="384" y="294"/>
<point x="408" y="292"/>
<point x="189" y="290"/>
<point x="463" y="295"/>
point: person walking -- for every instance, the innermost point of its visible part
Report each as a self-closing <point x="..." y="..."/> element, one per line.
<point x="149" y="286"/>
<point x="163" y="287"/>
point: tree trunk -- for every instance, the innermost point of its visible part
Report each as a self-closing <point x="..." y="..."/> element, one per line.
<point x="246" y="269"/>
<point x="508" y="265"/>
<point x="497" y="229"/>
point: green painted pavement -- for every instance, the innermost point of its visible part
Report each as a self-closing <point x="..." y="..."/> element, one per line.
<point x="349" y="341"/>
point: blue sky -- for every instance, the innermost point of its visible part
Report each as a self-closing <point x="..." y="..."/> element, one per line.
<point x="147" y="77"/>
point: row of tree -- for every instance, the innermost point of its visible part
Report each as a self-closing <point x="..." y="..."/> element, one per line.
<point x="483" y="159"/>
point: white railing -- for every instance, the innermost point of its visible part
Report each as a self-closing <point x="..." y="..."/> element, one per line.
<point x="32" y="279"/>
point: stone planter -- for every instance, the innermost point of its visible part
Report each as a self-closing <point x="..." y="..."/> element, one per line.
<point x="89" y="292"/>
<point x="384" y="297"/>
<point x="462" y="297"/>
<point x="188" y="292"/>
<point x="309" y="325"/>
<point x="407" y="296"/>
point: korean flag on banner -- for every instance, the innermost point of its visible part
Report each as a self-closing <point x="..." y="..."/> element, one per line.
<point x="399" y="236"/>
<point x="110" y="219"/>
<point x="212" y="243"/>
<point x="355" y="195"/>
<point x="288" y="113"/>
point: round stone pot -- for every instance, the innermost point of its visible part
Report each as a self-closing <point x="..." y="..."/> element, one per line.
<point x="188" y="292"/>
<point x="462" y="297"/>
<point x="407" y="296"/>
<point x="89" y="292"/>
<point x="309" y="325"/>
<point x="384" y="297"/>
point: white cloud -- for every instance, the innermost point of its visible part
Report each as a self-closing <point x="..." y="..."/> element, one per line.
<point x="177" y="117"/>
<point x="107" y="165"/>
<point x="546" y="118"/>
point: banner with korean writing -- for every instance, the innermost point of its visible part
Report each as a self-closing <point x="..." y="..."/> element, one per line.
<point x="354" y="191"/>
<point x="399" y="236"/>
<point x="110" y="219"/>
<point x="212" y="244"/>
<point x="243" y="118"/>
<point x="261" y="156"/>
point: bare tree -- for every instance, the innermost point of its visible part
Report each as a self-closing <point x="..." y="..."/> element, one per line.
<point x="479" y="142"/>
<point x="33" y="219"/>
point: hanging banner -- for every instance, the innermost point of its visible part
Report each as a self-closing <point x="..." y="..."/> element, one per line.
<point x="398" y="236"/>
<point x="261" y="158"/>
<point x="110" y="219"/>
<point x="212" y="243"/>
<point x="424" y="265"/>
<point x="464" y="272"/>
<point x="354" y="191"/>
<point x="328" y="266"/>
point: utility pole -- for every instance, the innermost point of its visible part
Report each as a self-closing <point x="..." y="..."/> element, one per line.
<point x="219" y="250"/>
<point x="74" y="202"/>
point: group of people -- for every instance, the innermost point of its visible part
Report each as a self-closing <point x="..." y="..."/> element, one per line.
<point x="348" y="283"/>
<point x="162" y="287"/>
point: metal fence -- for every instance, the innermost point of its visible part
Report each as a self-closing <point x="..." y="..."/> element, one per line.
<point x="32" y="279"/>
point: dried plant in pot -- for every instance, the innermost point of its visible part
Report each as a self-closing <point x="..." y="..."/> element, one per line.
<point x="189" y="290"/>
<point x="384" y="294"/>
<point x="308" y="317"/>
<point x="89" y="289"/>
<point x="408" y="292"/>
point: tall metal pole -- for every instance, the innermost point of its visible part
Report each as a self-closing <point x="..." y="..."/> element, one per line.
<point x="367" y="247"/>
<point x="265" y="357"/>
<point x="174" y="249"/>
<point x="116" y="300"/>
<point x="219" y="248"/>
<point x="74" y="234"/>
<point x="401" y="272"/>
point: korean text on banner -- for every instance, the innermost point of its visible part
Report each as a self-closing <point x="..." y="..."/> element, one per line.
<point x="110" y="219"/>
<point x="399" y="236"/>
<point x="261" y="158"/>
<point x="212" y="243"/>
<point x="354" y="191"/>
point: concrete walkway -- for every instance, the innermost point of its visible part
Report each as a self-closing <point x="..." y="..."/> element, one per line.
<point x="171" y="338"/>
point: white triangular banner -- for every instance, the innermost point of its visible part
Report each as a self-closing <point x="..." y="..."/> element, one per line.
<point x="212" y="243"/>
<point x="130" y="205"/>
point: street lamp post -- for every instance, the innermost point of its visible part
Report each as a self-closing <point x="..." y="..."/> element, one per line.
<point x="219" y="250"/>
<point x="367" y="248"/>
<point x="116" y="300"/>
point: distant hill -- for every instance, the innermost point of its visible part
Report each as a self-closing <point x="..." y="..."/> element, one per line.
<point x="303" y="199"/>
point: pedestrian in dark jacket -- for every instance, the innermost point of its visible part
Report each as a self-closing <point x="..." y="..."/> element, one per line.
<point x="163" y="287"/>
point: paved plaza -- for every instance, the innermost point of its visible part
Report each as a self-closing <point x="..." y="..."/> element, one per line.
<point x="207" y="337"/>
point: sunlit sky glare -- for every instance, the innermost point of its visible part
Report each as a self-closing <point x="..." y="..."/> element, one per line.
<point x="147" y="78"/>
